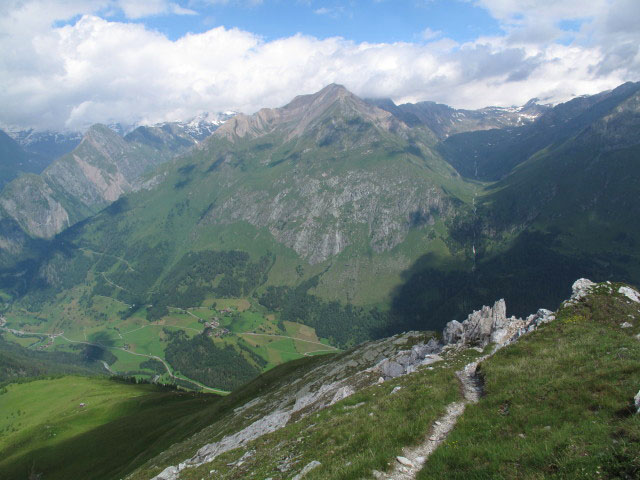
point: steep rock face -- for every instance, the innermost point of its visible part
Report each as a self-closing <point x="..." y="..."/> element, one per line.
<point x="316" y="217"/>
<point x="31" y="202"/>
<point x="98" y="171"/>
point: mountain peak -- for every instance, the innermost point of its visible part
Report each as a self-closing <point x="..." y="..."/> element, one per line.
<point x="303" y="112"/>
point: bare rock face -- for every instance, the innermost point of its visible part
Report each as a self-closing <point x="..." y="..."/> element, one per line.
<point x="406" y="361"/>
<point x="319" y="216"/>
<point x="489" y="324"/>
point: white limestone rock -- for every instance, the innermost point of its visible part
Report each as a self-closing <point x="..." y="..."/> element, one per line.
<point x="630" y="293"/>
<point x="308" y="467"/>
<point x="342" y="393"/>
<point x="581" y="288"/>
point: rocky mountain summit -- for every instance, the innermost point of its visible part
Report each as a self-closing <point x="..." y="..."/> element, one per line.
<point x="372" y="365"/>
<point x="303" y="113"/>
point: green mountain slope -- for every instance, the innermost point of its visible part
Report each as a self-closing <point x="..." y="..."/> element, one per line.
<point x="559" y="403"/>
<point x="326" y="185"/>
<point x="582" y="190"/>
<point x="565" y="210"/>
<point x="61" y="428"/>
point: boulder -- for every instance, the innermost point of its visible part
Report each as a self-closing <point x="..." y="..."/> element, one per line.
<point x="342" y="393"/>
<point x="491" y="325"/>
<point x="390" y="368"/>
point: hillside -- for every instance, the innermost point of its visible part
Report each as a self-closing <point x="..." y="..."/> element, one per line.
<point x="560" y="385"/>
<point x="81" y="427"/>
<point x="492" y="154"/>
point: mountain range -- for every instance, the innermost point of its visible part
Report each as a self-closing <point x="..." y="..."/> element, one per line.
<point x="353" y="218"/>
<point x="262" y="295"/>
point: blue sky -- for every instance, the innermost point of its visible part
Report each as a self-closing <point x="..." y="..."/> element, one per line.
<point x="65" y="64"/>
<point x="360" y="21"/>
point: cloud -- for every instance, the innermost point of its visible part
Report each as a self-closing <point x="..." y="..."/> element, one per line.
<point x="429" y="34"/>
<point x="135" y="9"/>
<point x="333" y="12"/>
<point x="96" y="70"/>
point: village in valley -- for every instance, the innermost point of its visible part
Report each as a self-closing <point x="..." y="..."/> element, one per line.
<point x="132" y="343"/>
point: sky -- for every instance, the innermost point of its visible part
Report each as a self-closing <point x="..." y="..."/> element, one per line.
<point x="66" y="64"/>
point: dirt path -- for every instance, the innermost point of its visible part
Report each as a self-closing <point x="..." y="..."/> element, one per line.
<point x="129" y="266"/>
<point x="407" y="466"/>
<point x="115" y="285"/>
<point x="186" y="311"/>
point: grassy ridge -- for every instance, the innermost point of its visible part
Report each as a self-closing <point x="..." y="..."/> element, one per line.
<point x="558" y="403"/>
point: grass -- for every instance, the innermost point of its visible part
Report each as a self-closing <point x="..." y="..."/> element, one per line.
<point x="24" y="341"/>
<point x="558" y="403"/>
<point x="45" y="430"/>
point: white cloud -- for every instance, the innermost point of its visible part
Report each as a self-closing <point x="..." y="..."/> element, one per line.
<point x="429" y="34"/>
<point x="333" y="12"/>
<point x="96" y="70"/>
<point x="135" y="9"/>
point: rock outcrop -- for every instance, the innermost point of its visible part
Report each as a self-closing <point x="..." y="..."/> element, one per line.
<point x="491" y="325"/>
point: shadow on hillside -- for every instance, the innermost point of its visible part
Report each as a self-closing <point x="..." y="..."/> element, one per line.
<point x="531" y="274"/>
